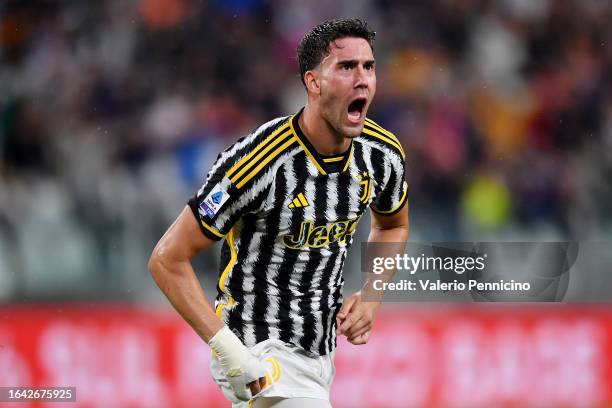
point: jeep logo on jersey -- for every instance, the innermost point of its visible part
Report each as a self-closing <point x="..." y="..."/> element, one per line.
<point x="321" y="235"/>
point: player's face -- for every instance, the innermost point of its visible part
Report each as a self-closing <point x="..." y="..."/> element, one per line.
<point x="347" y="85"/>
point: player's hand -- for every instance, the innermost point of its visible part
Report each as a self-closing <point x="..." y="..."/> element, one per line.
<point x="356" y="319"/>
<point x="257" y="386"/>
<point x="247" y="381"/>
<point x="245" y="373"/>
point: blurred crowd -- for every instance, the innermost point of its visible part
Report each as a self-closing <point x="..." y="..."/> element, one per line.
<point x="112" y="111"/>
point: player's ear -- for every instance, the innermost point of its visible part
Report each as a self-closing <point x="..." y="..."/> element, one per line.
<point x="311" y="79"/>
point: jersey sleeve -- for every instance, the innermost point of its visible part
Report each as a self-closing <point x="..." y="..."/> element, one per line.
<point x="394" y="191"/>
<point x="219" y="203"/>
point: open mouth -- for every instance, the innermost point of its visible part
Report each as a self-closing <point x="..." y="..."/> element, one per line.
<point x="355" y="109"/>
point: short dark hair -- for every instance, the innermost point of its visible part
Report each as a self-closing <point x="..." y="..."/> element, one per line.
<point x="315" y="44"/>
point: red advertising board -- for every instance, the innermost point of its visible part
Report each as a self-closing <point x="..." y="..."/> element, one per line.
<point x="424" y="356"/>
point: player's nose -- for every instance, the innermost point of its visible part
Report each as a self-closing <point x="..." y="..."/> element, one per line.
<point x="361" y="79"/>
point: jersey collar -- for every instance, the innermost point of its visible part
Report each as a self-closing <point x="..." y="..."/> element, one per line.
<point x="325" y="164"/>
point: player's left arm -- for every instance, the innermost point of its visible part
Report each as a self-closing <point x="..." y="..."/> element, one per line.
<point x="356" y="317"/>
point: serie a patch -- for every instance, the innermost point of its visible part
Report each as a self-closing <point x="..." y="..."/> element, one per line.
<point x="214" y="201"/>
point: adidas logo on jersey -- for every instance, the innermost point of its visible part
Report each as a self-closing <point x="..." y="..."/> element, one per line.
<point x="299" y="202"/>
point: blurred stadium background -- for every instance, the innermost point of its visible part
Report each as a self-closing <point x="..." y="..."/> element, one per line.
<point x="111" y="113"/>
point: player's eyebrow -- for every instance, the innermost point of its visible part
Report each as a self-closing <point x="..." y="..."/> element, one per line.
<point x="354" y="62"/>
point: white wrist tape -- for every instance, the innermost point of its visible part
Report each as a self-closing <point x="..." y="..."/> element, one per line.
<point x="240" y="366"/>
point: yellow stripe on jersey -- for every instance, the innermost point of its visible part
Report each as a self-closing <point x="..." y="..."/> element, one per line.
<point x="384" y="132"/>
<point x="348" y="161"/>
<point x="401" y="202"/>
<point x="233" y="257"/>
<point x="211" y="229"/>
<point x="384" y="139"/>
<point x="271" y="156"/>
<point x="257" y="158"/>
<point x="260" y="146"/>
<point x="222" y="280"/>
<point x="333" y="159"/>
<point x="312" y="158"/>
<point x="382" y="129"/>
<point x="261" y="154"/>
<point x="221" y="306"/>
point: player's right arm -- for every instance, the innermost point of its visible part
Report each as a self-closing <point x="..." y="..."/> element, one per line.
<point x="233" y="187"/>
<point x="170" y="266"/>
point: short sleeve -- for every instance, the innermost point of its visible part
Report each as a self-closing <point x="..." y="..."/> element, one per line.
<point x="219" y="203"/>
<point x="394" y="192"/>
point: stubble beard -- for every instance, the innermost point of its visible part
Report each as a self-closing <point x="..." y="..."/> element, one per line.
<point x="335" y="124"/>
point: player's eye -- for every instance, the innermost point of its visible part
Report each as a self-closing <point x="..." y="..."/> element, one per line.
<point x="347" y="66"/>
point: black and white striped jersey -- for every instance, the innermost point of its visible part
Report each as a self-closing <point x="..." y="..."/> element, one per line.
<point x="287" y="216"/>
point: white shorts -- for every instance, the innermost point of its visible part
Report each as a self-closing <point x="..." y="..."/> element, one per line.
<point x="291" y="373"/>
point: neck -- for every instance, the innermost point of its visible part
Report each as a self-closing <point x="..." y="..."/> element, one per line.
<point x="323" y="137"/>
